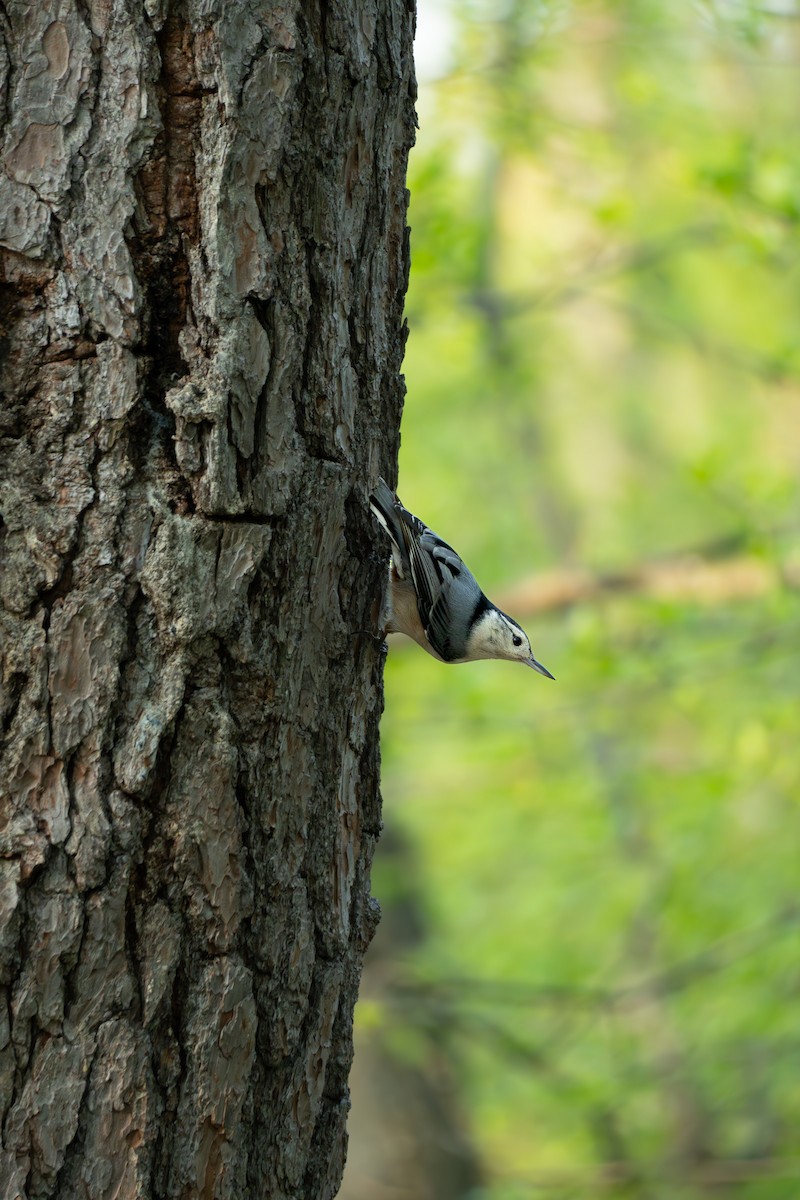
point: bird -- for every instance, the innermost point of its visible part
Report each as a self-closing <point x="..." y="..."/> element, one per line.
<point x="434" y="598"/>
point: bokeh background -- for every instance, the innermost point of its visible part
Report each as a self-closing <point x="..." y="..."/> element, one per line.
<point x="587" y="980"/>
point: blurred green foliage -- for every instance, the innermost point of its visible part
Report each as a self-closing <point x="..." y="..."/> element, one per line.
<point x="603" y="368"/>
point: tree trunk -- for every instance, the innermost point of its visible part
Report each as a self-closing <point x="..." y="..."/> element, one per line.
<point x="204" y="252"/>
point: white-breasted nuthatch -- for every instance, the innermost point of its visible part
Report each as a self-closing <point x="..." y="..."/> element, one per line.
<point x="434" y="598"/>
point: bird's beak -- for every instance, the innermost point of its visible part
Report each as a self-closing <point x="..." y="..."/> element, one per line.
<point x="537" y="666"/>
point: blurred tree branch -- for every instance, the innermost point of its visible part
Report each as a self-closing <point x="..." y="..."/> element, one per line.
<point x="717" y="1172"/>
<point x="727" y="952"/>
<point x="713" y="574"/>
<point x="773" y="368"/>
<point x="602" y="266"/>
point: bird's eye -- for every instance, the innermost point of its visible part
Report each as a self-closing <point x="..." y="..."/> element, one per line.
<point x="517" y="640"/>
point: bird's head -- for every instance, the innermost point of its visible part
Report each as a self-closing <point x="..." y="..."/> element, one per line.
<point x="497" y="635"/>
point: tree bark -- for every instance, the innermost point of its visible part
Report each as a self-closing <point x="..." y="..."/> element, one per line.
<point x="204" y="254"/>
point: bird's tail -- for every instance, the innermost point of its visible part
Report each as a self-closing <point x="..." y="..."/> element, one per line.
<point x="384" y="504"/>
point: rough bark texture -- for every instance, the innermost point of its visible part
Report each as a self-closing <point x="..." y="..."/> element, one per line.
<point x="202" y="216"/>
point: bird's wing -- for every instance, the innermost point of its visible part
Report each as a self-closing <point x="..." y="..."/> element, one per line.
<point x="445" y="610"/>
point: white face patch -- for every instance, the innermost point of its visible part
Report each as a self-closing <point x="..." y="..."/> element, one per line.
<point x="517" y="641"/>
<point x="493" y="637"/>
